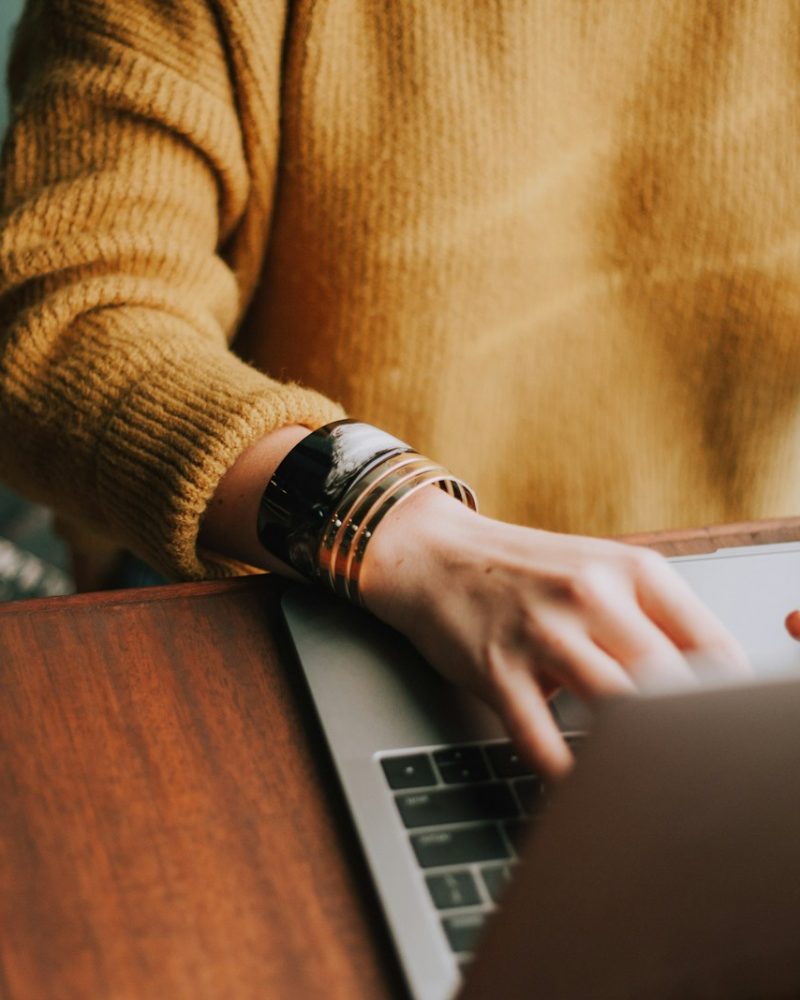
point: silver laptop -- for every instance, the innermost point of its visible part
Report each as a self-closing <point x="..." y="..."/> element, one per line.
<point x="441" y="802"/>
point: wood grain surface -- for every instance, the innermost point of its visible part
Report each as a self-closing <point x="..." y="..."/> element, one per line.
<point x="170" y="825"/>
<point x="167" y="828"/>
<point x="719" y="536"/>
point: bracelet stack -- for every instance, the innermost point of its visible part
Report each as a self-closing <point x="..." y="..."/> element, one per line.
<point x="322" y="506"/>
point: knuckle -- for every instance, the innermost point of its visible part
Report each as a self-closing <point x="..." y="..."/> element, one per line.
<point x="647" y="562"/>
<point x="590" y="585"/>
<point x="532" y="624"/>
<point x="553" y="645"/>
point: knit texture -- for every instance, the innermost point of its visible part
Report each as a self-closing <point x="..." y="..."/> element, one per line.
<point x="554" y="246"/>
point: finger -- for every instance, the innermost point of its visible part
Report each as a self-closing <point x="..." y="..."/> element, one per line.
<point x="793" y="624"/>
<point x="631" y="638"/>
<point x="583" y="667"/>
<point x="674" y="607"/>
<point x="529" y="721"/>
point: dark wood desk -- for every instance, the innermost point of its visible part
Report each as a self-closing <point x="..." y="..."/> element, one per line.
<point x="167" y="827"/>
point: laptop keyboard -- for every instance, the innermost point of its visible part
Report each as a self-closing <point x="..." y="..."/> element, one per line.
<point x="465" y="810"/>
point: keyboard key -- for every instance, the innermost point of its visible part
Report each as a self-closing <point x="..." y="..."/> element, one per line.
<point x="530" y="792"/>
<point x="457" y="805"/>
<point x="505" y="761"/>
<point x="453" y="889"/>
<point x="459" y="847"/>
<point x="413" y="771"/>
<point x="495" y="878"/>
<point x="515" y="831"/>
<point x="463" y="929"/>
<point x="461" y="764"/>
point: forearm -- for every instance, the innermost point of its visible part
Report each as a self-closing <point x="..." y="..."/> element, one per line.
<point x="229" y="523"/>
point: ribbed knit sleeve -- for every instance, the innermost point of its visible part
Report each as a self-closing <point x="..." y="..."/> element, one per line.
<point x="127" y="204"/>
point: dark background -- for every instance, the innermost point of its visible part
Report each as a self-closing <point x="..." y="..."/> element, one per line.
<point x="33" y="560"/>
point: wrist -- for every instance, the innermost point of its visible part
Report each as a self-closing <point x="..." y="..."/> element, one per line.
<point x="326" y="500"/>
<point x="417" y="541"/>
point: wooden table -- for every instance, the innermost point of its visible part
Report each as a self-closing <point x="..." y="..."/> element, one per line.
<point x="169" y="822"/>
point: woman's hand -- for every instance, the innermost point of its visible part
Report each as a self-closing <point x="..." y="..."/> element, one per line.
<point x="509" y="612"/>
<point x="515" y="613"/>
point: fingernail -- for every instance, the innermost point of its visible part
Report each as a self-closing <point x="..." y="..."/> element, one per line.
<point x="793" y="624"/>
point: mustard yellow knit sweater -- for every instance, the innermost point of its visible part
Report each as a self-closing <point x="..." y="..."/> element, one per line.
<point x="554" y="245"/>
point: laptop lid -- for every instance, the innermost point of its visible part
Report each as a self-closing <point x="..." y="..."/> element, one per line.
<point x="668" y="865"/>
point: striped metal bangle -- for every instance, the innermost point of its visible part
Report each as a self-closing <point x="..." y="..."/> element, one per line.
<point x="309" y="483"/>
<point x="328" y="496"/>
<point x="342" y="557"/>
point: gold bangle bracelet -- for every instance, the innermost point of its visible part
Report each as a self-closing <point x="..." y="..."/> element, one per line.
<point x="366" y="503"/>
<point x="323" y="503"/>
<point x="343" y="523"/>
<point x="364" y="509"/>
<point x="442" y="479"/>
<point x="371" y="503"/>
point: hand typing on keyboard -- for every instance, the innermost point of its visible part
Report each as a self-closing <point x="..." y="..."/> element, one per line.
<point x="514" y="613"/>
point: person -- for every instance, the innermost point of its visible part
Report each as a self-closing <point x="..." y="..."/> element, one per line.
<point x="551" y="246"/>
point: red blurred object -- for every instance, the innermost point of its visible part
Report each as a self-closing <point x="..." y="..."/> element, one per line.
<point x="793" y="624"/>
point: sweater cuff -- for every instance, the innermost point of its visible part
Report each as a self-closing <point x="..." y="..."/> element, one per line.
<point x="172" y="438"/>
